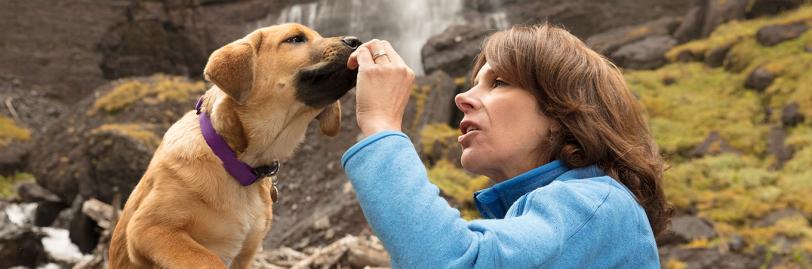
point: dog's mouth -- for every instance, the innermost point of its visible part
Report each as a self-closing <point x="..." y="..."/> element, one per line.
<point x="323" y="83"/>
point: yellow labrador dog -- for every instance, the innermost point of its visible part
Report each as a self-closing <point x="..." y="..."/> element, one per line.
<point x="199" y="207"/>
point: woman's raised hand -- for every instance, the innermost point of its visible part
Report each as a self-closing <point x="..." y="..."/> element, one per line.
<point x="383" y="88"/>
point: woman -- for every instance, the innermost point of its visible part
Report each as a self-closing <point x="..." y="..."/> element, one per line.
<point x="553" y="124"/>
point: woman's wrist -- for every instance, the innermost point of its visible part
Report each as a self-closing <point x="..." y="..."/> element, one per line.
<point x="372" y="128"/>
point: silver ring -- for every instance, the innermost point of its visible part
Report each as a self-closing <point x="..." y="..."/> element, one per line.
<point x="378" y="54"/>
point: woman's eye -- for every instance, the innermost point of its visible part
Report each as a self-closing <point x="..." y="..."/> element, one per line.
<point x="499" y="83"/>
<point x="296" y="39"/>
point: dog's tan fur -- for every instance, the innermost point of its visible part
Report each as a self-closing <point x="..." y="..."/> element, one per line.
<point x="187" y="211"/>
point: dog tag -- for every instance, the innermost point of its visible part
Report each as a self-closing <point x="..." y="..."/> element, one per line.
<point x="274" y="194"/>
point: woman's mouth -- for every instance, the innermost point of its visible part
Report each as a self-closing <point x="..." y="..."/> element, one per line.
<point x="468" y="129"/>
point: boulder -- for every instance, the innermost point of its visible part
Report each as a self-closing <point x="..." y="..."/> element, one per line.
<point x="691" y="26"/>
<point x="721" y="11"/>
<point x="453" y="51"/>
<point x="648" y="53"/>
<point x="688" y="228"/>
<point x="145" y="47"/>
<point x="607" y="42"/>
<point x="105" y="143"/>
<point x="23" y="114"/>
<point x="706" y="15"/>
<point x="772" y="35"/>
<point x="432" y="101"/>
<point x="791" y="115"/>
<point x="759" y="79"/>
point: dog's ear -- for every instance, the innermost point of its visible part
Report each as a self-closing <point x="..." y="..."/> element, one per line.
<point x="231" y="67"/>
<point x="330" y="119"/>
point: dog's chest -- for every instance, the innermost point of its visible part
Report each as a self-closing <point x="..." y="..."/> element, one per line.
<point x="233" y="228"/>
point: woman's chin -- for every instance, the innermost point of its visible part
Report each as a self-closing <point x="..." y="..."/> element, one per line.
<point x="469" y="161"/>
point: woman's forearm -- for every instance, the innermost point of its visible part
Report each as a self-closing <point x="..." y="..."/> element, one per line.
<point x="416" y="225"/>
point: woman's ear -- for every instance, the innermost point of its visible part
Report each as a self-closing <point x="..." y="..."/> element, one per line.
<point x="231" y="67"/>
<point x="330" y="119"/>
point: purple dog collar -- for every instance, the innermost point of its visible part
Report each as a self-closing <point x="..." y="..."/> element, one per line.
<point x="241" y="171"/>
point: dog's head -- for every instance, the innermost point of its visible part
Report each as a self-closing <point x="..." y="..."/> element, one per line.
<point x="285" y="73"/>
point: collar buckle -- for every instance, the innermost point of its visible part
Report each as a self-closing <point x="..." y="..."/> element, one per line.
<point x="266" y="170"/>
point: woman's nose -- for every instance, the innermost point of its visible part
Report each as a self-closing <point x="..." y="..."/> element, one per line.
<point x="464" y="102"/>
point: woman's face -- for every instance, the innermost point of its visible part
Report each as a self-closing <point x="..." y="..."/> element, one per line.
<point x="503" y="129"/>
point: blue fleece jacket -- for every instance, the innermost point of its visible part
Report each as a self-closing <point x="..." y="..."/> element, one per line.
<point x="548" y="217"/>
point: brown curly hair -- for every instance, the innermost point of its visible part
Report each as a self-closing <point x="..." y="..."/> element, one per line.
<point x="601" y="120"/>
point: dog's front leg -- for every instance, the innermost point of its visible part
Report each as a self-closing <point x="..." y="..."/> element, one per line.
<point x="249" y="249"/>
<point x="173" y="248"/>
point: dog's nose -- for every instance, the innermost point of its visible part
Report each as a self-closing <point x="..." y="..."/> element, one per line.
<point x="352" y="42"/>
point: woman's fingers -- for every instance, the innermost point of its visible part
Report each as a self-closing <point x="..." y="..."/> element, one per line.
<point x="379" y="51"/>
<point x="352" y="62"/>
<point x="364" y="58"/>
<point x="391" y="54"/>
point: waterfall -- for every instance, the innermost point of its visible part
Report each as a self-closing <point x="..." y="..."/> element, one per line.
<point x="405" y="24"/>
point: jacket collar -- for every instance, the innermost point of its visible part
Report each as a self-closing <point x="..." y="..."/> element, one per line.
<point x="494" y="202"/>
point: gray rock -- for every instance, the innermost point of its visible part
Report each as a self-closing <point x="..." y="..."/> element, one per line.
<point x="771" y="7"/>
<point x="710" y="258"/>
<point x="775" y="34"/>
<point x="453" y="50"/>
<point x="648" y="53"/>
<point x="777" y="147"/>
<point x="432" y="101"/>
<point x="689" y="228"/>
<point x="736" y="243"/>
<point x="716" y="56"/>
<point x="759" y="79"/>
<point x="607" y="42"/>
<point x="775" y="216"/>
<point x="691" y="26"/>
<point x="706" y="15"/>
<point x="96" y="152"/>
<point x="712" y="145"/>
<point x="721" y="11"/>
<point x="145" y="47"/>
<point x="31" y="192"/>
<point x="791" y="115"/>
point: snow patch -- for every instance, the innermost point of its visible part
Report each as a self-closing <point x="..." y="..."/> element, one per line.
<point x="21" y="214"/>
<point x="57" y="243"/>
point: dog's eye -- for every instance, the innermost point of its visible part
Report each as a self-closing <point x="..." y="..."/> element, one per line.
<point x="296" y="39"/>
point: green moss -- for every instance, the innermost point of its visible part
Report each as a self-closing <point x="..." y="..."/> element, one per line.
<point x="158" y="89"/>
<point x="8" y="184"/>
<point x="725" y="188"/>
<point x="459" y="81"/>
<point x="10" y="131"/>
<point x="136" y="131"/>
<point x="437" y="133"/>
<point x="420" y="95"/>
<point x="456" y="183"/>
<point x="726" y="34"/>
<point x="685" y="102"/>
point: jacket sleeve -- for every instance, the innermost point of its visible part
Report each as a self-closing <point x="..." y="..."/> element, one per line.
<point x="420" y="230"/>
